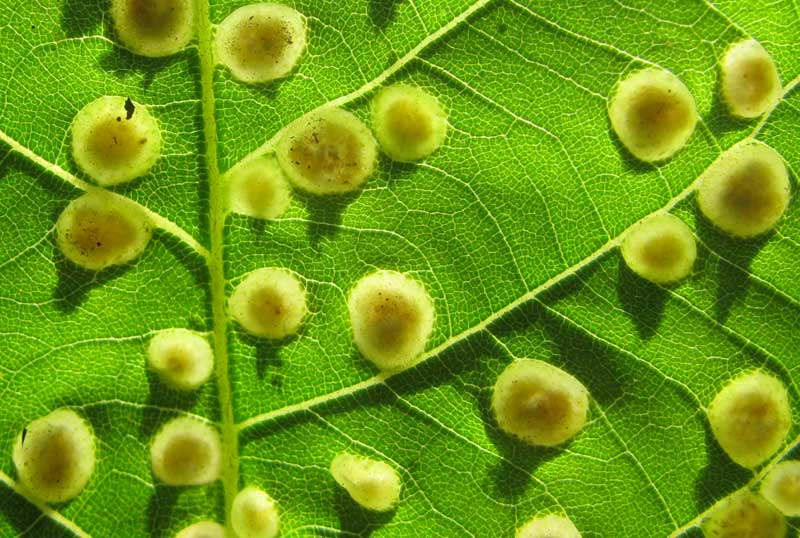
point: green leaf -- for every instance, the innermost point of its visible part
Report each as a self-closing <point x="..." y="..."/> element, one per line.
<point x="513" y="226"/>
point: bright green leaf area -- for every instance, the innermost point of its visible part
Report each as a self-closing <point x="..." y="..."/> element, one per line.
<point x="513" y="226"/>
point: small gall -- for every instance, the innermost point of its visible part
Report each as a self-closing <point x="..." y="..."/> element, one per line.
<point x="373" y="484"/>
<point x="254" y="514"/>
<point x="109" y="148"/>
<point x="750" y="418"/>
<point x="551" y="526"/>
<point x="660" y="249"/>
<point x="653" y="114"/>
<point x="328" y="152"/>
<point x="99" y="229"/>
<point x="258" y="189"/>
<point x="202" y="529"/>
<point x="186" y="452"/>
<point x="269" y="303"/>
<point x="744" y="515"/>
<point x="539" y="403"/>
<point x="750" y="81"/>
<point x="55" y="456"/>
<point x="746" y="191"/>
<point x="781" y="487"/>
<point x="153" y="28"/>
<point x="409" y="122"/>
<point x="261" y="42"/>
<point x="181" y="358"/>
<point x="392" y="317"/>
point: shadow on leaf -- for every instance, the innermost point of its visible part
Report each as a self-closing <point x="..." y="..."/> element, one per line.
<point x="720" y="476"/>
<point x="193" y="263"/>
<point x="735" y="257"/>
<point x="324" y="213"/>
<point x="75" y="282"/>
<point x="382" y="12"/>
<point x="160" y="508"/>
<point x="82" y="17"/>
<point x="26" y="518"/>
<point x="123" y="63"/>
<point x="394" y="171"/>
<point x="642" y="300"/>
<point x="267" y="352"/>
<point x="353" y="519"/>
<point x="163" y="397"/>
<point x="578" y="352"/>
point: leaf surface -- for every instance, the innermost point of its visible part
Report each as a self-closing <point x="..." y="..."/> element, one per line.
<point x="513" y="226"/>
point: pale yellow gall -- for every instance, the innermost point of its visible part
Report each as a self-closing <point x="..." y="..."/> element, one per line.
<point x="373" y="484"/>
<point x="653" y="114"/>
<point x="750" y="417"/>
<point x="186" y="452"/>
<point x="254" y="514"/>
<point x="392" y="317"/>
<point x="55" y="456"/>
<point x="409" y="122"/>
<point x="328" y="152"/>
<point x="115" y="140"/>
<point x="99" y="229"/>
<point x="269" y="302"/>
<point x="660" y="249"/>
<point x="750" y="81"/>
<point x="261" y="42"/>
<point x="539" y="403"/>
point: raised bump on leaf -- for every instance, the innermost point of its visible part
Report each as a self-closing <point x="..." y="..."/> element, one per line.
<point x="750" y="417"/>
<point x="181" y="358"/>
<point x="746" y="191"/>
<point x="153" y="27"/>
<point x="744" y="515"/>
<point x="258" y="189"/>
<point x="539" y="403"/>
<point x="392" y="317"/>
<point x="269" y="302"/>
<point x="660" y="249"/>
<point x="115" y="140"/>
<point x="653" y="114"/>
<point x="781" y="487"/>
<point x="98" y="230"/>
<point x="750" y="81"/>
<point x="261" y="42"/>
<point x="55" y="456"/>
<point x="202" y="529"/>
<point x="186" y="452"/>
<point x="254" y="514"/>
<point x="550" y="526"/>
<point x="409" y="122"/>
<point x="373" y="484"/>
<point x="328" y="152"/>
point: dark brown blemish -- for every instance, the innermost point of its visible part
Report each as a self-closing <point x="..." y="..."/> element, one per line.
<point x="129" y="108"/>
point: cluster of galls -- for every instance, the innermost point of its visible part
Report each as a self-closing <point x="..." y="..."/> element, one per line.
<point x="116" y="140"/>
<point x="331" y="151"/>
<point x="744" y="193"/>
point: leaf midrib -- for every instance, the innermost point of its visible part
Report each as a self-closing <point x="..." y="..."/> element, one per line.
<point x="216" y="261"/>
